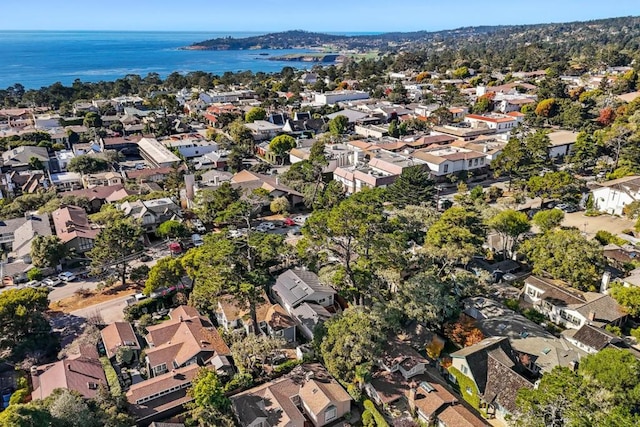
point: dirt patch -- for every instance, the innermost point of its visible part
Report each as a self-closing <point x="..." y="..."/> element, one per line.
<point x="87" y="298"/>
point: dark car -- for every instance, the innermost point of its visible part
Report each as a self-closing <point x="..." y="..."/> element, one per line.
<point x="146" y="258"/>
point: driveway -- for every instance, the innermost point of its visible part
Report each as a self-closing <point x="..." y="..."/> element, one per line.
<point x="592" y="224"/>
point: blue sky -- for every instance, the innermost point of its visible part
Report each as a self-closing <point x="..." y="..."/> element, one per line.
<point x="318" y="15"/>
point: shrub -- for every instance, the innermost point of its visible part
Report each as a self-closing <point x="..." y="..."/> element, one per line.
<point x="239" y="381"/>
<point x="112" y="376"/>
<point x="286" y="366"/>
<point x="377" y="416"/>
<point x="19" y="396"/>
<point x="512" y="304"/>
<point x="34" y="274"/>
<point x="367" y="419"/>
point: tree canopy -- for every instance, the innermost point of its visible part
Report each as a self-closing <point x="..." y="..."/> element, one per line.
<point x="566" y="255"/>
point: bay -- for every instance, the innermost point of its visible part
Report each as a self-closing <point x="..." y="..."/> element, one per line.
<point x="41" y="58"/>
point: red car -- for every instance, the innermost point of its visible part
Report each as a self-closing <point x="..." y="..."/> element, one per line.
<point x="289" y="222"/>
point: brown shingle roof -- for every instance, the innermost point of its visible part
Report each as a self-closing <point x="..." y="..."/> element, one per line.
<point x="82" y="374"/>
<point x="459" y="416"/>
<point x="593" y="337"/>
<point x="119" y="334"/>
<point x="185" y="336"/>
<point x="71" y="222"/>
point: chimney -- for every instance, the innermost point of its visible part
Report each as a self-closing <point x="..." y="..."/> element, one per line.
<point x="180" y="319"/>
<point x="604" y="283"/>
<point x="573" y="365"/>
<point x="69" y="366"/>
<point x="592" y="316"/>
<point x="412" y="397"/>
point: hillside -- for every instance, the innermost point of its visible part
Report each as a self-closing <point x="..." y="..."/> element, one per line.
<point x="598" y="31"/>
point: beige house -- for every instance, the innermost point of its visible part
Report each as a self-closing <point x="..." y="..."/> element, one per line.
<point x="307" y="396"/>
<point x="101" y="179"/>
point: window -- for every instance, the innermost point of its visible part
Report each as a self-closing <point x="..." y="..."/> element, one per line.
<point x="331" y="413"/>
<point x="470" y="163"/>
<point x="446" y="168"/>
<point x="475" y="162"/>
<point x="464" y="369"/>
<point x="468" y="390"/>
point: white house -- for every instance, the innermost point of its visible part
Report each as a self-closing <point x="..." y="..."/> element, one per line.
<point x="499" y="122"/>
<point x="561" y="143"/>
<point x="569" y="307"/>
<point x="612" y="196"/>
<point x="191" y="147"/>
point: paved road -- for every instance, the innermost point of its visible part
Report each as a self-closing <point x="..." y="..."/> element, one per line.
<point x="69" y="288"/>
<point x="109" y="311"/>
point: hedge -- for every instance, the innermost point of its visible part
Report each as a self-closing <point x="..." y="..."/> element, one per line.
<point x="112" y="376"/>
<point x="377" y="416"/>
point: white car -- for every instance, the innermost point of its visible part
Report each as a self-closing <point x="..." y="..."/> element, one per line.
<point x="199" y="226"/>
<point x="300" y="220"/>
<point x="197" y="240"/>
<point x="67" y="276"/>
<point x="33" y="284"/>
<point x="52" y="281"/>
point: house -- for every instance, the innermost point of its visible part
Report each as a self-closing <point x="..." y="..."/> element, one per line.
<point x="119" y="334"/>
<point x="337" y="155"/>
<point x="495" y="372"/>
<point x="101" y="179"/>
<point x="81" y="373"/>
<point x="161" y="396"/>
<point x="561" y="142"/>
<point x="450" y="159"/>
<point x="16" y="183"/>
<point x="496" y="320"/>
<point x="100" y="195"/>
<point x="308" y="78"/>
<point x="156" y="153"/>
<point x="188" y="338"/>
<point x="272" y="319"/>
<point x="262" y="129"/>
<point x="306" y="396"/>
<point x="62" y="158"/>
<point x="18" y="158"/>
<point x="612" y="196"/>
<point x="305" y="298"/>
<point x="127" y="145"/>
<point x="330" y="98"/>
<point x="499" y="122"/>
<point x="73" y="229"/>
<point x="66" y="181"/>
<point x="252" y="180"/>
<point x="591" y="339"/>
<point x="190" y="146"/>
<point x="217" y="160"/>
<point x="459" y="416"/>
<point x="151" y="213"/>
<point x="149" y="174"/>
<point x="569" y="307"/>
<point x="16" y="236"/>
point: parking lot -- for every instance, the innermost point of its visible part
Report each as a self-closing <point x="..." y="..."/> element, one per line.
<point x="592" y="224"/>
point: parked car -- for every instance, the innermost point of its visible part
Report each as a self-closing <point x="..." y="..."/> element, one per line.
<point x="146" y="258"/>
<point x="52" y="281"/>
<point x="33" y="284"/>
<point x="67" y="276"/>
<point x="199" y="226"/>
<point x="567" y="207"/>
<point x="300" y="219"/>
<point x="289" y="222"/>
<point x="196" y="239"/>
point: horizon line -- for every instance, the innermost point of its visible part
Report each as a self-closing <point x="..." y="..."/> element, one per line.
<point x="405" y="30"/>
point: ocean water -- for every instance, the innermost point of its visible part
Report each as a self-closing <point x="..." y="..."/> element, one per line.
<point x="41" y="58"/>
